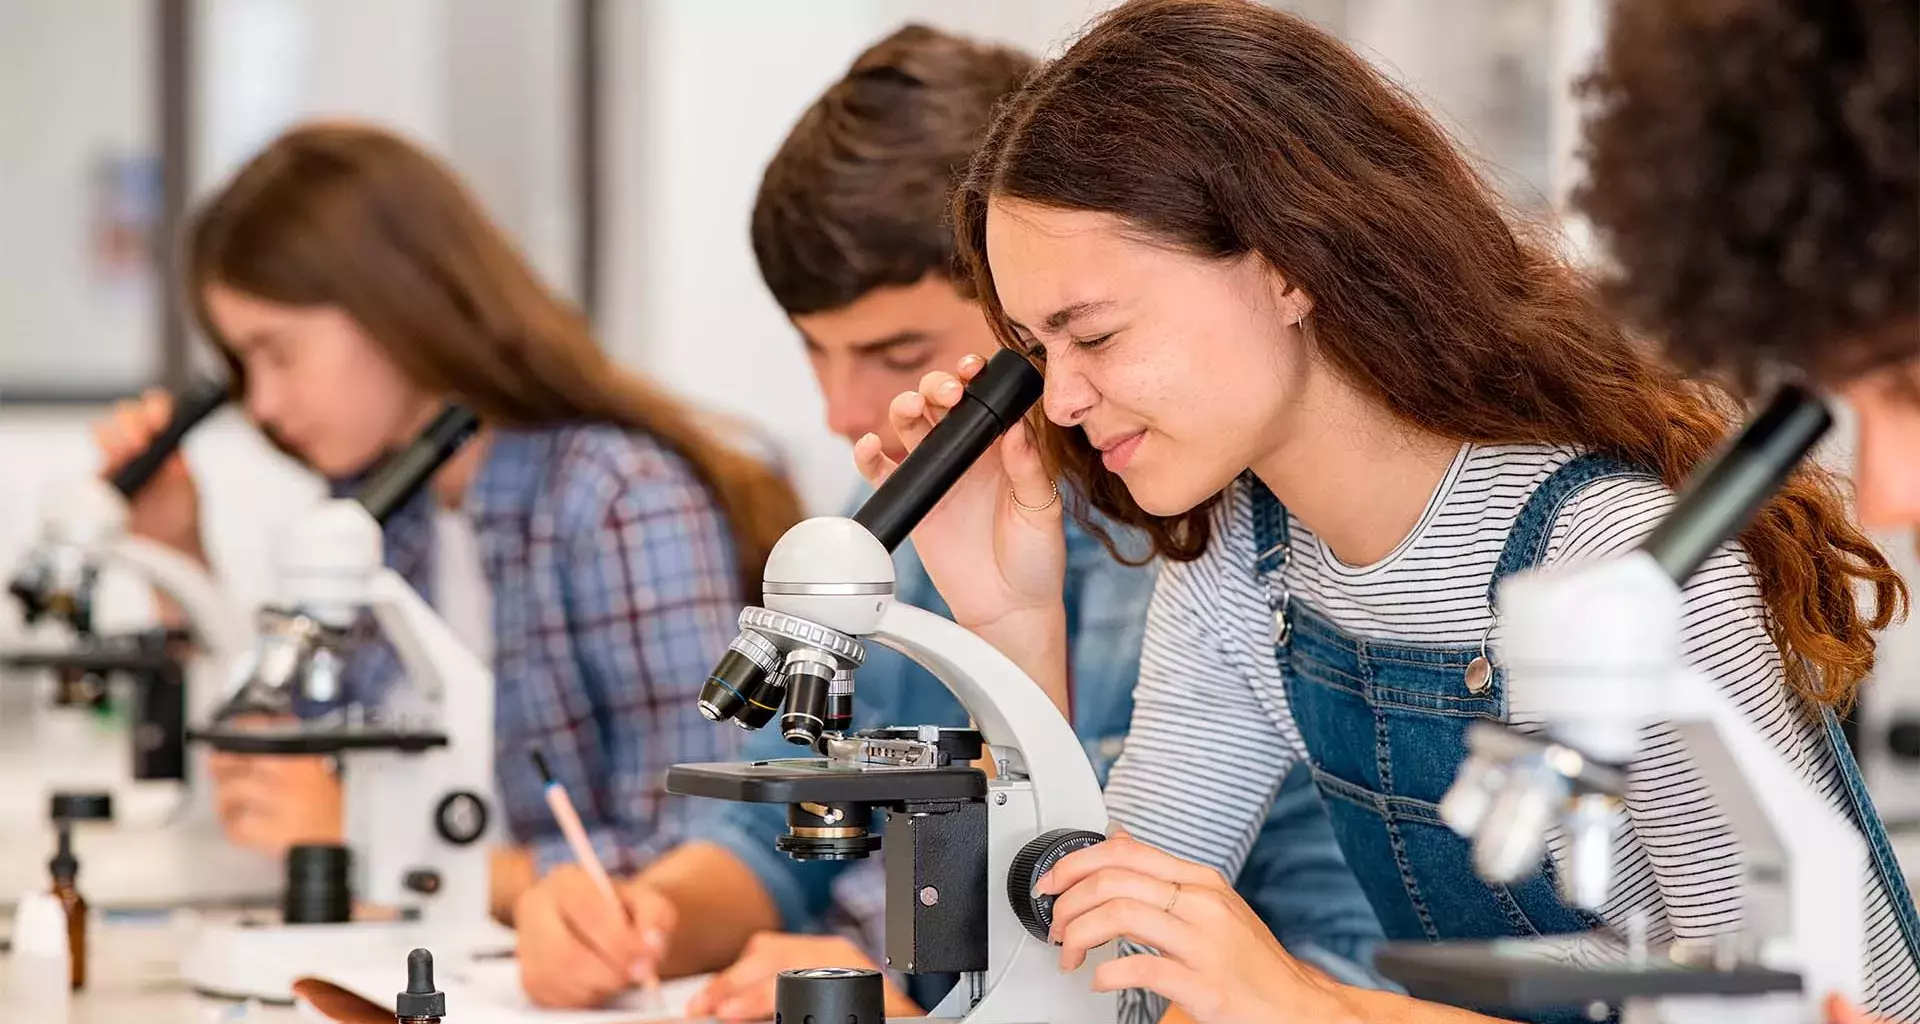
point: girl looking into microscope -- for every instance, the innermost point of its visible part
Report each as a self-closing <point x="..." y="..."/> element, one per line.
<point x="1289" y="333"/>
<point x="353" y="287"/>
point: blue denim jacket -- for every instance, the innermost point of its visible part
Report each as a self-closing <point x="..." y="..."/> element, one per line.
<point x="1296" y="878"/>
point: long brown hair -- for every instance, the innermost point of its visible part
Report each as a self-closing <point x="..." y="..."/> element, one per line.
<point x="355" y="217"/>
<point x="1226" y="128"/>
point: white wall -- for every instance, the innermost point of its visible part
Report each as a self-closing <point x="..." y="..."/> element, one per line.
<point x="482" y="82"/>
<point x="73" y="90"/>
<point x="696" y="108"/>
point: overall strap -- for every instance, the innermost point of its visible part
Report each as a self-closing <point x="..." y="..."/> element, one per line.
<point x="1270" y="535"/>
<point x="1886" y="867"/>
<point x="1527" y="541"/>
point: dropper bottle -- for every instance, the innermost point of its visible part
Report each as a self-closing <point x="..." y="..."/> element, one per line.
<point x="421" y="1003"/>
<point x="66" y="868"/>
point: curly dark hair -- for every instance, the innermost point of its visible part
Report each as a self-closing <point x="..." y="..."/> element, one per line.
<point x="1755" y="180"/>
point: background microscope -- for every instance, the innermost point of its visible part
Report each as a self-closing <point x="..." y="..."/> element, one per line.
<point x="1593" y="652"/>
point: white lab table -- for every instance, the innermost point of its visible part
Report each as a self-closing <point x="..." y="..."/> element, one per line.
<point x="134" y="976"/>
<point x="159" y="851"/>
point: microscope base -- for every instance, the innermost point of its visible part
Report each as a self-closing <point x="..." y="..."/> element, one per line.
<point x="1522" y="975"/>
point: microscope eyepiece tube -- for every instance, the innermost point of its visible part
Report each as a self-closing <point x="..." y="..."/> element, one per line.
<point x="406" y="471"/>
<point x="1722" y="496"/>
<point x="994" y="401"/>
<point x="192" y="405"/>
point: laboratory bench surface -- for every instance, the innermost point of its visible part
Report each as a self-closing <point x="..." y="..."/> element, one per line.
<point x="134" y="978"/>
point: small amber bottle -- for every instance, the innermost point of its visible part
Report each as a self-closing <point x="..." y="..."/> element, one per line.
<point x="66" y="868"/>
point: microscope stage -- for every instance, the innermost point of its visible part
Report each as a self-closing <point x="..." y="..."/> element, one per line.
<point x="815" y="779"/>
<point x="148" y="652"/>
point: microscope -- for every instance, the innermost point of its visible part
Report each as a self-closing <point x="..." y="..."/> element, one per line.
<point x="961" y="849"/>
<point x="417" y="769"/>
<point x="1594" y="653"/>
<point x="82" y="532"/>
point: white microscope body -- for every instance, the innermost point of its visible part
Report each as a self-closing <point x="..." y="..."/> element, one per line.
<point x="833" y="572"/>
<point x="421" y="816"/>
<point x="332" y="567"/>
<point x="1593" y="653"/>
<point x="961" y="849"/>
<point x="83" y="530"/>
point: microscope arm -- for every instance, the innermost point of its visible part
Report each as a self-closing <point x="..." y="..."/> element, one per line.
<point x="438" y="663"/>
<point x="387" y="794"/>
<point x="1045" y="785"/>
<point x="218" y="628"/>
<point x="1800" y="858"/>
<point x="1023" y="730"/>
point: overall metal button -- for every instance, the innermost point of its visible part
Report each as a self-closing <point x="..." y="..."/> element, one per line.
<point x="1479" y="674"/>
<point x="1282" y="627"/>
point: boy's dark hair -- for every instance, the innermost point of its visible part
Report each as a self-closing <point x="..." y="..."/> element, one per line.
<point x="856" y="198"/>
<point x="1755" y="179"/>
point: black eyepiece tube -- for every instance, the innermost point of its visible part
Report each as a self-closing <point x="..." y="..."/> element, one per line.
<point x="1722" y="497"/>
<point x="998" y="396"/>
<point x="406" y="471"/>
<point x="196" y="403"/>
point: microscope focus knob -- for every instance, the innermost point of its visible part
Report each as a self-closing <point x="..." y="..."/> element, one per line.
<point x="1034" y="860"/>
<point x="461" y="817"/>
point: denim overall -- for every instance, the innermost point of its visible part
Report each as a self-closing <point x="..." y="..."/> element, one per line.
<point x="1385" y="729"/>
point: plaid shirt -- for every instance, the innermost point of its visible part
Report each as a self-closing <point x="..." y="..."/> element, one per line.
<point x="614" y="587"/>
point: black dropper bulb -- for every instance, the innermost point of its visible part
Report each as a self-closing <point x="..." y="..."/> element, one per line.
<point x="64" y="866"/>
<point x="421" y="1003"/>
<point x="65" y="809"/>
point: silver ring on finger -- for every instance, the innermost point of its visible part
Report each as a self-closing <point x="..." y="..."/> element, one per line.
<point x="1172" y="899"/>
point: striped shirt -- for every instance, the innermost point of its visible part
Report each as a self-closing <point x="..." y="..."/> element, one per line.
<point x="1197" y="784"/>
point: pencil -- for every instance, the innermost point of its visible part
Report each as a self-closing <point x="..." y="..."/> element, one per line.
<point x="568" y="819"/>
